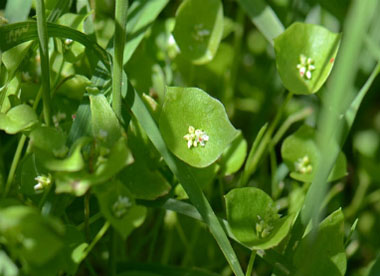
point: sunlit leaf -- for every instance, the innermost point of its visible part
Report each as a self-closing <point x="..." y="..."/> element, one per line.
<point x="192" y="107"/>
<point x="199" y="29"/>
<point x="301" y="48"/>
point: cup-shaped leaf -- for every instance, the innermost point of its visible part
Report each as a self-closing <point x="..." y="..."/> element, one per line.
<point x="199" y="29"/>
<point x="325" y="251"/>
<point x="253" y="218"/>
<point x="119" y="207"/>
<point x="301" y="154"/>
<point x="105" y="125"/>
<point x="188" y="110"/>
<point x="144" y="183"/>
<point x="305" y="55"/>
<point x="19" y="118"/>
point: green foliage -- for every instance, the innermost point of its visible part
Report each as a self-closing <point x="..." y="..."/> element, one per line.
<point x="114" y="160"/>
<point x="191" y="107"/>
<point x="198" y="37"/>
<point x="254" y="220"/>
<point x="305" y="41"/>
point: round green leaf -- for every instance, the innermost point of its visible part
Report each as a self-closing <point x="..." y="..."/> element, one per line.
<point x="199" y="29"/>
<point x="144" y="183"/>
<point x="311" y="41"/>
<point x="105" y="125"/>
<point x="119" y="208"/>
<point x="301" y="154"/>
<point x="253" y="218"/>
<point x="185" y="107"/>
<point x="19" y="118"/>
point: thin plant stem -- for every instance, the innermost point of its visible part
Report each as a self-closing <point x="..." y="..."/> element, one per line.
<point x="44" y="54"/>
<point x="121" y="12"/>
<point x="87" y="215"/>
<point x="14" y="164"/>
<point x="97" y="238"/>
<point x="250" y="263"/>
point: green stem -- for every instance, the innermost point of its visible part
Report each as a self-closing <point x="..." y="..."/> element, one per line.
<point x="44" y="196"/>
<point x="121" y="12"/>
<point x="44" y="54"/>
<point x="250" y="263"/>
<point x="113" y="253"/>
<point x="14" y="164"/>
<point x="87" y="215"/>
<point x="299" y="116"/>
<point x="97" y="238"/>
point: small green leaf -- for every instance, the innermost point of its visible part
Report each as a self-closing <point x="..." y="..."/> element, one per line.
<point x="325" y="252"/>
<point x="192" y="107"/>
<point x="74" y="88"/>
<point x="144" y="183"/>
<point x="18" y="118"/>
<point x="199" y="29"/>
<point x="301" y="155"/>
<point x="253" y="218"/>
<point x="105" y="125"/>
<point x="118" y="206"/>
<point x="49" y="140"/>
<point x="293" y="49"/>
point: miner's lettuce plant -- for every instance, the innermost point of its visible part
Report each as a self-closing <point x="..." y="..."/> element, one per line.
<point x="127" y="137"/>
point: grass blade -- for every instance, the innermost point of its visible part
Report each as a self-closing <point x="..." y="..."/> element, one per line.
<point x="263" y="17"/>
<point x="44" y="53"/>
<point x="121" y="12"/>
<point x="336" y="104"/>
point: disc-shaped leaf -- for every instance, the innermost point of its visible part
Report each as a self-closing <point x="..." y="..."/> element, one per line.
<point x="293" y="49"/>
<point x="119" y="208"/>
<point x="192" y="107"/>
<point x="301" y="154"/>
<point x="253" y="218"/>
<point x="19" y="118"/>
<point x="199" y="29"/>
<point x="105" y="125"/>
<point x="144" y="183"/>
<point x="325" y="252"/>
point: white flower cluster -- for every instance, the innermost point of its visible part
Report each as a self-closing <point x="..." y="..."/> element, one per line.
<point x="43" y="182"/>
<point x="195" y="137"/>
<point x="121" y="206"/>
<point x="306" y="66"/>
<point x="303" y="165"/>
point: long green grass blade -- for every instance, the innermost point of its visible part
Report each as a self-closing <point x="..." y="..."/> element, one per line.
<point x="141" y="15"/>
<point x="264" y="18"/>
<point x="121" y="12"/>
<point x="44" y="54"/>
<point x="338" y="100"/>
<point x="17" y="33"/>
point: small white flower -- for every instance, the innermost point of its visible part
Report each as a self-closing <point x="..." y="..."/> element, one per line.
<point x="303" y="165"/>
<point x="121" y="206"/>
<point x="43" y="182"/>
<point x="306" y="66"/>
<point x="195" y="137"/>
